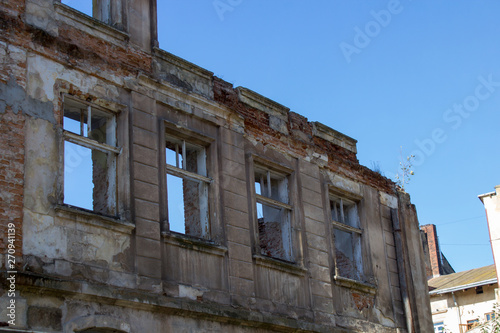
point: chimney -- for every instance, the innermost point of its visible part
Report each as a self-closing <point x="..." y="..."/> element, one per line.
<point x="431" y="249"/>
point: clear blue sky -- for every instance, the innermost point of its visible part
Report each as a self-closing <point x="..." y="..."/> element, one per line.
<point x="421" y="74"/>
<point x="400" y="84"/>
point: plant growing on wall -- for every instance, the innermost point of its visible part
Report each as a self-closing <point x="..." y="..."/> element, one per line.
<point x="405" y="170"/>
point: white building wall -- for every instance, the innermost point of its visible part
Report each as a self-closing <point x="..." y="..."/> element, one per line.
<point x="491" y="203"/>
<point x="471" y="306"/>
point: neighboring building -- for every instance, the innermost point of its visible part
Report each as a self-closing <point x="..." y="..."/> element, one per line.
<point x="436" y="263"/>
<point x="491" y="202"/>
<point x="461" y="301"/>
<point x="139" y="193"/>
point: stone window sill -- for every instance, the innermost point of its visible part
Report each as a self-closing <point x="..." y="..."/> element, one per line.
<point x="279" y="265"/>
<point x="193" y="243"/>
<point x="92" y="218"/>
<point x="355" y="284"/>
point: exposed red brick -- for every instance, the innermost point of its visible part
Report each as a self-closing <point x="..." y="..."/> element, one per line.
<point x="434" y="251"/>
<point x="340" y="160"/>
<point x="12" y="176"/>
<point x="362" y="301"/>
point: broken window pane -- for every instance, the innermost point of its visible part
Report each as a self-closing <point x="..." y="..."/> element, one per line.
<point x="175" y="204"/>
<point x="346" y="265"/>
<point x="186" y="156"/>
<point x="101" y="125"/>
<point x="187" y="205"/>
<point x="89" y="168"/>
<point x="78" y="185"/>
<point x="187" y="194"/>
<point x="273" y="235"/>
<point x="273" y="216"/>
<point x="344" y="211"/>
<point x="87" y="182"/>
<point x="271" y="185"/>
<point x="346" y="237"/>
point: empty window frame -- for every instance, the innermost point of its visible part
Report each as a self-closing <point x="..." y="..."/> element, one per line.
<point x="90" y="153"/>
<point x="82" y="6"/>
<point x="273" y="211"/>
<point x="188" y="185"/>
<point x="108" y="11"/>
<point x="346" y="237"/>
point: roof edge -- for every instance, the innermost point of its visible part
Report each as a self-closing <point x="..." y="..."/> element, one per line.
<point x="464" y="286"/>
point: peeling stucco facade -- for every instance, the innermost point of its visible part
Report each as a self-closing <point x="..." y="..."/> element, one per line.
<point x="77" y="270"/>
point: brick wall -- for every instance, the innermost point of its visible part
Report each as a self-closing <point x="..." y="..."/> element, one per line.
<point x="433" y="250"/>
<point x="300" y="141"/>
<point x="11" y="175"/>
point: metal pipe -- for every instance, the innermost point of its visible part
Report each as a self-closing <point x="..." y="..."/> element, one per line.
<point x="458" y="310"/>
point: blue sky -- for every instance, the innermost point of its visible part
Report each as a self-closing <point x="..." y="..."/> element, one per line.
<point x="419" y="74"/>
<point x="402" y="87"/>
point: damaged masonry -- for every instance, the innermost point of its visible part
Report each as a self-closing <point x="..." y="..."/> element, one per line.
<point x="147" y="195"/>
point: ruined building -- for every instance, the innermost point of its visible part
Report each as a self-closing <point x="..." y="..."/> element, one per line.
<point x="139" y="193"/>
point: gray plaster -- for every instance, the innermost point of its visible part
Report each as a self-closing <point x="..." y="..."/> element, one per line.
<point x="13" y="95"/>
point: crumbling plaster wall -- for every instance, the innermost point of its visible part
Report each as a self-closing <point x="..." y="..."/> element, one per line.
<point x="56" y="51"/>
<point x="71" y="240"/>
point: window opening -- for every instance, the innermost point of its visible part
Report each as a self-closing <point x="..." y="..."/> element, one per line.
<point x="472" y="323"/>
<point x="89" y="157"/>
<point x="187" y="187"/>
<point x="82" y="6"/>
<point x="439" y="327"/>
<point x="107" y="11"/>
<point x="273" y="214"/>
<point x="347" y="238"/>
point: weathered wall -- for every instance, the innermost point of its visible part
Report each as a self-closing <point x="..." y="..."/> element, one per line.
<point x="78" y="269"/>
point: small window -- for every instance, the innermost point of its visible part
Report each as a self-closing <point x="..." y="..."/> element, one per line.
<point x="273" y="213"/>
<point x="90" y="154"/>
<point x="439" y="327"/>
<point x="187" y="187"/>
<point x="472" y="323"/>
<point x="347" y="237"/>
<point x="479" y="290"/>
<point x="490" y="316"/>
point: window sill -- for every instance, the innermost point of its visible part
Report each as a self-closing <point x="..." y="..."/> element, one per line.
<point x="92" y="218"/>
<point x="280" y="265"/>
<point x="355" y="284"/>
<point x="96" y="25"/>
<point x="439" y="312"/>
<point x="193" y="243"/>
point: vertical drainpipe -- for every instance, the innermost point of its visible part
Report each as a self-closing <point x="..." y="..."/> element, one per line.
<point x="401" y="268"/>
<point x="458" y="311"/>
